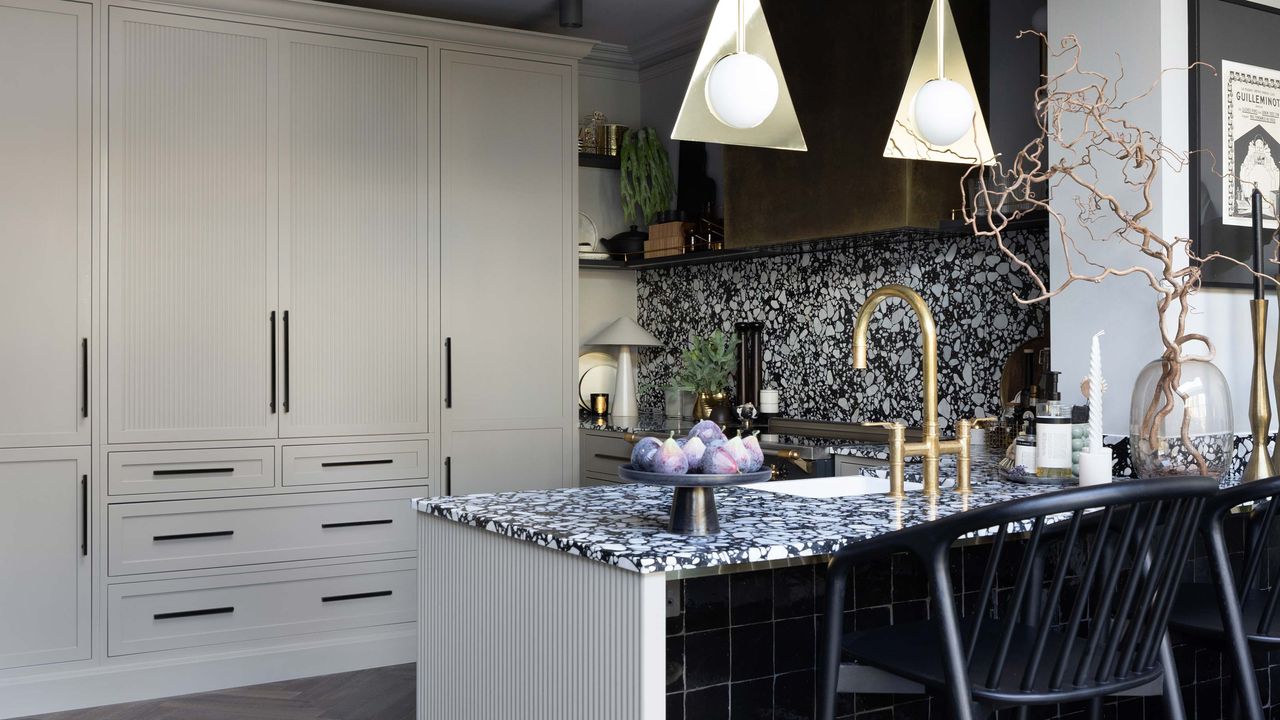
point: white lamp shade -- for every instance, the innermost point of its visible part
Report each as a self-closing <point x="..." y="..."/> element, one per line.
<point x="742" y="90"/>
<point x="623" y="331"/>
<point x="943" y="111"/>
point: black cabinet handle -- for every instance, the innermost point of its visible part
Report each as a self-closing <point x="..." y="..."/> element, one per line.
<point x="350" y="463"/>
<point x="84" y="377"/>
<point x="84" y="515"/>
<point x="194" y="613"/>
<point x="356" y="596"/>
<point x="448" y="372"/>
<point x="272" y="404"/>
<point x="192" y="471"/>
<point x="190" y="536"/>
<point x="285" y="404"/>
<point x="448" y="476"/>
<point x="354" y="523"/>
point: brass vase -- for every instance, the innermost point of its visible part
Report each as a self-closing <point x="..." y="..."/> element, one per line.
<point x="706" y="403"/>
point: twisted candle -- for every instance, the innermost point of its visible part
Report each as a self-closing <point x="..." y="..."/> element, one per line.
<point x="1095" y="394"/>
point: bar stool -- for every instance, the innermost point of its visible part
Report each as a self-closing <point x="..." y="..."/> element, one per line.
<point x="1233" y="617"/>
<point x="1130" y="541"/>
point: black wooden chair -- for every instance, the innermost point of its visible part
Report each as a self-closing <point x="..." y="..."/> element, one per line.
<point x="1233" y="617"/>
<point x="1095" y="632"/>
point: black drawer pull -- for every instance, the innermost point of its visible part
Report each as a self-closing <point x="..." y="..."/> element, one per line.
<point x="351" y="463"/>
<point x="193" y="471"/>
<point x="356" y="596"/>
<point x="194" y="613"/>
<point x="190" y="536"/>
<point x="354" y="523"/>
<point x="84" y="376"/>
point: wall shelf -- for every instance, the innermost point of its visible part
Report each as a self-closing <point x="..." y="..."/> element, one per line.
<point x="608" y="162"/>
<point x="603" y="264"/>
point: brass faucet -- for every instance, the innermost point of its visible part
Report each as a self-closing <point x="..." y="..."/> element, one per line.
<point x="931" y="446"/>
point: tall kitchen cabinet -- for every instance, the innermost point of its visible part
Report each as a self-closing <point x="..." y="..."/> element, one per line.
<point x="46" y="185"/>
<point x="507" y="165"/>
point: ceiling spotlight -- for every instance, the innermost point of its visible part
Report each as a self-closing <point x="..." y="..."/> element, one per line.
<point x="570" y="13"/>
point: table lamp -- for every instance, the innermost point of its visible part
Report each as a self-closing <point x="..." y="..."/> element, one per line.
<point x="624" y="333"/>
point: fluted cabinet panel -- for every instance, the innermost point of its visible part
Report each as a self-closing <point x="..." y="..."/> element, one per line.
<point x="507" y="268"/>
<point x="45" y="222"/>
<point x="353" y="244"/>
<point x="510" y="629"/>
<point x="191" y="228"/>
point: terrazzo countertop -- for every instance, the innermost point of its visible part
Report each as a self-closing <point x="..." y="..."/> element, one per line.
<point x="870" y="451"/>
<point x="624" y="525"/>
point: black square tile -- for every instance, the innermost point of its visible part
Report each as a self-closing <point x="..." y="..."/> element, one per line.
<point x="751" y="597"/>
<point x="870" y="618"/>
<point x="675" y="706"/>
<point x="913" y="611"/>
<point x="752" y="651"/>
<point x="675" y="664"/>
<point x="873" y="583"/>
<point x="794" y="645"/>
<point x="751" y="700"/>
<point x="706" y="603"/>
<point x="793" y="696"/>
<point x="909" y="579"/>
<point x="793" y="593"/>
<point x="706" y="658"/>
<point x="910" y="707"/>
<point x="708" y="703"/>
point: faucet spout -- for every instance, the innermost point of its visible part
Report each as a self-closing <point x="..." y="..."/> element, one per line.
<point x="931" y="446"/>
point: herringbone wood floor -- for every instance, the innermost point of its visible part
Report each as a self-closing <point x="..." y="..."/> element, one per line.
<point x="379" y="694"/>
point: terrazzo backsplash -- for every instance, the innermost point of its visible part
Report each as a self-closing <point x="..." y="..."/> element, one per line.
<point x="808" y="302"/>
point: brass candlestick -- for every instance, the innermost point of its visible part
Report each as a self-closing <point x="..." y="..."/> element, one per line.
<point x="1275" y="453"/>
<point x="1259" y="397"/>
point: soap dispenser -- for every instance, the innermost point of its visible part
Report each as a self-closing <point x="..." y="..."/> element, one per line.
<point x="1053" y="432"/>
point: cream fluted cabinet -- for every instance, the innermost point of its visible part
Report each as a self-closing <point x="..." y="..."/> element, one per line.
<point x="242" y="234"/>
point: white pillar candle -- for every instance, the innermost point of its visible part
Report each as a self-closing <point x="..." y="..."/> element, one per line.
<point x="769" y="401"/>
<point x="1095" y="466"/>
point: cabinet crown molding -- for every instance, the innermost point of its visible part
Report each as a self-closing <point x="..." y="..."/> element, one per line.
<point x="325" y="17"/>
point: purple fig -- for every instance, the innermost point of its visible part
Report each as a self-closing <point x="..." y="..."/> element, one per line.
<point x="670" y="459"/>
<point x="738" y="451"/>
<point x="718" y="461"/>
<point x="706" y="431"/>
<point x="707" y="453"/>
<point x="755" y="454"/>
<point x="643" y="453"/>
<point x="693" y="452"/>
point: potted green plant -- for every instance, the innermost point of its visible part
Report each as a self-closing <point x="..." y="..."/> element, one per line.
<point x="707" y="366"/>
<point x="646" y="183"/>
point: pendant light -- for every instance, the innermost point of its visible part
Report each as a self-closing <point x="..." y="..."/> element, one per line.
<point x="938" y="117"/>
<point x="738" y="95"/>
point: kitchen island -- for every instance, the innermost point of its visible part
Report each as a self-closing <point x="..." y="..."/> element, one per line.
<point x="552" y="605"/>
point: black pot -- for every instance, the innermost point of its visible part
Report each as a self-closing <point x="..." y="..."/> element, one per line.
<point x="629" y="243"/>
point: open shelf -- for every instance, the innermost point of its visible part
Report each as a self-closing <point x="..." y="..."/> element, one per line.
<point x="609" y="162"/>
<point x="603" y="264"/>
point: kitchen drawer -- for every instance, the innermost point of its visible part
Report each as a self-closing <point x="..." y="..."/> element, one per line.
<point x="603" y="453"/>
<point x="355" y="463"/>
<point x="168" y="614"/>
<point x="591" y="479"/>
<point x="135" y="473"/>
<point x="224" y="532"/>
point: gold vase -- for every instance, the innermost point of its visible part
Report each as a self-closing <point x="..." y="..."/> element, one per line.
<point x="705" y="404"/>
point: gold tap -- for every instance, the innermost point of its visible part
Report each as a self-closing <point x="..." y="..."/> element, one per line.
<point x="931" y="446"/>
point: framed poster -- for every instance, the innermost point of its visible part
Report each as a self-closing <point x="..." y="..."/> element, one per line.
<point x="1235" y="130"/>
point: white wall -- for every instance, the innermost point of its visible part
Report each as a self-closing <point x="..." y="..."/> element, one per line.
<point x="1125" y="307"/>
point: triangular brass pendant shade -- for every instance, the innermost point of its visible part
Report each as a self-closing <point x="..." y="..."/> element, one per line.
<point x="696" y="122"/>
<point x="904" y="142"/>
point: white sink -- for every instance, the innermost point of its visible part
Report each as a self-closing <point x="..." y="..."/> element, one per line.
<point x="830" y="487"/>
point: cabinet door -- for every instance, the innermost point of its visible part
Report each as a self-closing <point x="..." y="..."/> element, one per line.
<point x="507" y="197"/>
<point x="44" y="556"/>
<point x="192" y="228"/>
<point x="354" y="213"/>
<point x="45" y="185"/>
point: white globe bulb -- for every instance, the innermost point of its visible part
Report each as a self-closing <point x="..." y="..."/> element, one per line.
<point x="943" y="111"/>
<point x="742" y="90"/>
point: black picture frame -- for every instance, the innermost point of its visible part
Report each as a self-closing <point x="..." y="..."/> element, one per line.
<point x="1241" y="31"/>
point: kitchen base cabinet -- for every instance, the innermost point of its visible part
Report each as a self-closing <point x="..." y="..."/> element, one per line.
<point x="44" y="556"/>
<point x="169" y="614"/>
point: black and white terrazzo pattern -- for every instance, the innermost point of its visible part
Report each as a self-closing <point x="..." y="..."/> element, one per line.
<point x="808" y="303"/>
<point x="624" y="525"/>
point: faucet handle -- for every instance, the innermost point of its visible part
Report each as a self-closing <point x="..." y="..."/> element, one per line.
<point x="897" y="453"/>
<point x="893" y="425"/>
<point x="979" y="422"/>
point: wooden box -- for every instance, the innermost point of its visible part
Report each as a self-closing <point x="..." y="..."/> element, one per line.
<point x="666" y="239"/>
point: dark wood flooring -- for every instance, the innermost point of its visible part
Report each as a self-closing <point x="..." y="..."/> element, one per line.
<point x="385" y="693"/>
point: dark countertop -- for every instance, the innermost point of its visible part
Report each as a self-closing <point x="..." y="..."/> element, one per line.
<point x="624" y="525"/>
